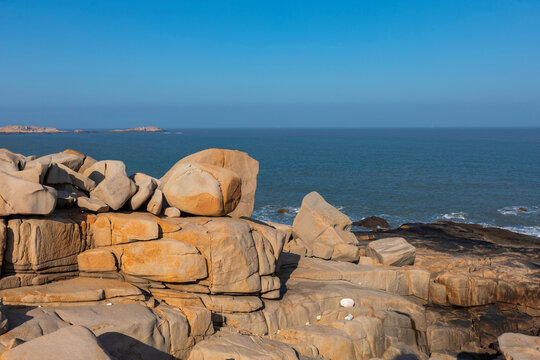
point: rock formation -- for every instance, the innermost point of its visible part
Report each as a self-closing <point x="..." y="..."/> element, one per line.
<point x="96" y="264"/>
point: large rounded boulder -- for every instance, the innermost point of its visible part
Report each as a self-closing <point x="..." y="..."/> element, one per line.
<point x="238" y="161"/>
<point x="202" y="189"/>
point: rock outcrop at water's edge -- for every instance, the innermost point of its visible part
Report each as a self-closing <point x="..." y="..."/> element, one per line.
<point x="101" y="265"/>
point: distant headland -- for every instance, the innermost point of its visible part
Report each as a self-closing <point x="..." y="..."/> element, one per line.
<point x="23" y="129"/>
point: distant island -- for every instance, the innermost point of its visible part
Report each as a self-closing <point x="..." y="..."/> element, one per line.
<point x="23" y="129"/>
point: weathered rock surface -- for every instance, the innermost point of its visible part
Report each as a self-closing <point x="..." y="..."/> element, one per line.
<point x="320" y="228"/>
<point x="519" y="347"/>
<point x="22" y="197"/>
<point x="36" y="245"/>
<point x="71" y="160"/>
<point x="76" y="291"/>
<point x="10" y="161"/>
<point x="92" y="205"/>
<point x="61" y="174"/>
<point x="392" y="251"/>
<point x="155" y="203"/>
<point x="114" y="191"/>
<point x="241" y="347"/>
<point x="237" y="161"/>
<point x="105" y="168"/>
<point x="69" y="342"/>
<point x="145" y="189"/>
<point x="223" y="255"/>
<point x="171" y="211"/>
<point x="202" y="189"/>
<point x="125" y="331"/>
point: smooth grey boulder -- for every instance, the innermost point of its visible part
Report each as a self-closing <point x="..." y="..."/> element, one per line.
<point x="171" y="211"/>
<point x="104" y="169"/>
<point x="325" y="230"/>
<point x="394" y="251"/>
<point x="35" y="173"/>
<point x="145" y="188"/>
<point x="23" y="197"/>
<point x="72" y="161"/>
<point x="10" y="161"/>
<point x="155" y="204"/>
<point x="114" y="191"/>
<point x="61" y="174"/>
<point x="70" y="342"/>
<point x="88" y="161"/>
<point x="92" y="205"/>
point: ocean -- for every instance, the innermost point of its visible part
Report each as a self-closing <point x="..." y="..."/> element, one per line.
<point x="479" y="176"/>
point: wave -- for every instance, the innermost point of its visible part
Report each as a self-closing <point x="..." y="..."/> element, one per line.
<point x="527" y="230"/>
<point x="454" y="216"/>
<point x="270" y="213"/>
<point x="518" y="210"/>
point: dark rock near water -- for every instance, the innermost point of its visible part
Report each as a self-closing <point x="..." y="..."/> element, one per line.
<point x="372" y="222"/>
<point x="452" y="230"/>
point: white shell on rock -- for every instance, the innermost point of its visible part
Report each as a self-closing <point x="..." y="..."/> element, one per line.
<point x="349" y="317"/>
<point x="347" y="302"/>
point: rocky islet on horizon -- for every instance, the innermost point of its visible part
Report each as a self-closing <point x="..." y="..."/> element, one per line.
<point x="97" y="264"/>
<point x="23" y="129"/>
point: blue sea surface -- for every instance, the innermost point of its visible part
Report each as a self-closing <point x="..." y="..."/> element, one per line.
<point x="404" y="175"/>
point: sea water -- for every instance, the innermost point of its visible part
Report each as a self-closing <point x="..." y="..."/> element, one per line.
<point x="480" y="176"/>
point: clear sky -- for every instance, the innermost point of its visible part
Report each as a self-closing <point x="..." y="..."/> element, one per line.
<point x="103" y="64"/>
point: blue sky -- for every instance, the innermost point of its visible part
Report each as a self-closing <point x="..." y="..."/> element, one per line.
<point x="87" y="64"/>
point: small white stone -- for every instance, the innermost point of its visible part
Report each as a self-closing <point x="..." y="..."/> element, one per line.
<point x="347" y="302"/>
<point x="349" y="317"/>
<point x="307" y="323"/>
<point x="109" y="304"/>
<point x="318" y="317"/>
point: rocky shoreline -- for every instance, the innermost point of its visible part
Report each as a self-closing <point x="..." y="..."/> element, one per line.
<point x="97" y="264"/>
<point x="23" y="129"/>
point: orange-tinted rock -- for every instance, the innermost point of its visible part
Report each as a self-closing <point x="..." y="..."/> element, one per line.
<point x="164" y="260"/>
<point x="78" y="290"/>
<point x="202" y="189"/>
<point x="42" y="243"/>
<point x="97" y="260"/>
<point x="115" y="228"/>
<point x="239" y="162"/>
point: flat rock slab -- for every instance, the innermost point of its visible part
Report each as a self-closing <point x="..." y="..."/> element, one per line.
<point x="78" y="290"/>
<point x="70" y="342"/>
<point x="241" y="347"/>
<point x="392" y="251"/>
<point x="519" y="347"/>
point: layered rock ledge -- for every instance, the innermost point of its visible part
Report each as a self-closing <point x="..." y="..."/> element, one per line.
<point x="96" y="264"/>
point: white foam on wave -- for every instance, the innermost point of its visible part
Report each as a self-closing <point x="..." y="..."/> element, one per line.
<point x="454" y="216"/>
<point x="527" y="230"/>
<point x="269" y="213"/>
<point x="518" y="210"/>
